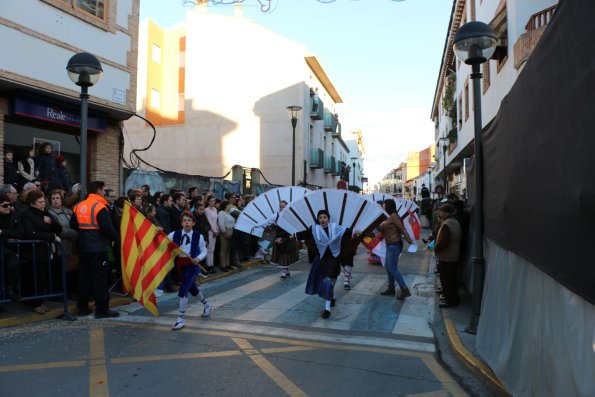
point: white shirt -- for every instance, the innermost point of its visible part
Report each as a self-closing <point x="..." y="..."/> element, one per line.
<point x="185" y="244"/>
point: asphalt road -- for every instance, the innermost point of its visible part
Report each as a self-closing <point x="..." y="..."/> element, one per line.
<point x="264" y="337"/>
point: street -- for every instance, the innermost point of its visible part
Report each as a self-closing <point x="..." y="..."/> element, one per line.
<point x="264" y="337"/>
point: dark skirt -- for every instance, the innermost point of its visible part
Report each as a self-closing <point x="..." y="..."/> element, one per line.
<point x="286" y="253"/>
<point x="322" y="276"/>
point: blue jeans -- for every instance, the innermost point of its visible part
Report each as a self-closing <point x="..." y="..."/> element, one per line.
<point x="390" y="264"/>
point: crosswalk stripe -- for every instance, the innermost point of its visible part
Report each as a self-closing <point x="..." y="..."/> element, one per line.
<point x="350" y="304"/>
<point x="233" y="294"/>
<point x="269" y="310"/>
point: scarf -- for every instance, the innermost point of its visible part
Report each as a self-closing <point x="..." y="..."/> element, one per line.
<point x="331" y="241"/>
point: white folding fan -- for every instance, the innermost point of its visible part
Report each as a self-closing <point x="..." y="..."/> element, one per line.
<point x="376" y="197"/>
<point x="263" y="209"/>
<point x="345" y="208"/>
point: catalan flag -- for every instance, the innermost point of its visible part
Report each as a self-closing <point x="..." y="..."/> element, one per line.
<point x="147" y="256"/>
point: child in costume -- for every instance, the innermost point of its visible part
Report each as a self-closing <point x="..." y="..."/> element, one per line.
<point x="329" y="239"/>
<point x="188" y="264"/>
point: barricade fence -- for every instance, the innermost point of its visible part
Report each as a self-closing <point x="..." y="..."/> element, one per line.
<point x="33" y="270"/>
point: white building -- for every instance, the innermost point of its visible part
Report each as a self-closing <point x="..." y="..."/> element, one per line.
<point x="518" y="25"/>
<point x="217" y="88"/>
<point x="38" y="101"/>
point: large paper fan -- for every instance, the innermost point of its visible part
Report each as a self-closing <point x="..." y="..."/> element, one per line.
<point x="345" y="208"/>
<point x="263" y="209"/>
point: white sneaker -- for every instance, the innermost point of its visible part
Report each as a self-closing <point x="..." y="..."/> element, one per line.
<point x="207" y="310"/>
<point x="178" y="325"/>
<point x="158" y="292"/>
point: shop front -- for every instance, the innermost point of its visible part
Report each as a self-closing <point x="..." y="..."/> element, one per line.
<point x="31" y="122"/>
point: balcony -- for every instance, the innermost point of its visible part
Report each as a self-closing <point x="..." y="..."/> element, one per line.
<point x="527" y="41"/>
<point x="339" y="168"/>
<point x="329" y="164"/>
<point x="330" y="122"/>
<point x="337" y="130"/>
<point x="316" y="158"/>
<point x="316" y="109"/>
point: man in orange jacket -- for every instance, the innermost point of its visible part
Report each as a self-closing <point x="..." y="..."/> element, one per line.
<point x="96" y="233"/>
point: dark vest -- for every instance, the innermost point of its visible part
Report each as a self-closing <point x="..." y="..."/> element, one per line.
<point x="194" y="243"/>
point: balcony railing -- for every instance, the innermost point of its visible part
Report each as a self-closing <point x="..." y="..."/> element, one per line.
<point x="316" y="109"/>
<point x="316" y="158"/>
<point x="337" y="130"/>
<point x="339" y="168"/>
<point x="527" y="41"/>
<point x="329" y="164"/>
<point x="330" y="122"/>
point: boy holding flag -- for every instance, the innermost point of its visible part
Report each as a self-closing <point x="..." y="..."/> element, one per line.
<point x="195" y="250"/>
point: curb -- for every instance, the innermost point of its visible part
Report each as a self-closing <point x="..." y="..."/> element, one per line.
<point x="54" y="313"/>
<point x="114" y="302"/>
<point x="476" y="365"/>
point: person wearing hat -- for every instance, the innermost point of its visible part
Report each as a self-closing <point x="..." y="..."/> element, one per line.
<point x="447" y="249"/>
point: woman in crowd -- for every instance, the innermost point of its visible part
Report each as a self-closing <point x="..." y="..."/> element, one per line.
<point x="39" y="224"/>
<point x="136" y="199"/>
<point x="226" y="223"/>
<point x="68" y="235"/>
<point x="211" y="213"/>
<point x="27" y="169"/>
<point x="392" y="229"/>
<point x="11" y="228"/>
<point x="62" y="178"/>
<point x="150" y="212"/>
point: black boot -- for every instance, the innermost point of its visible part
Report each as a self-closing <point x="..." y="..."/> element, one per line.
<point x="390" y="291"/>
<point x="404" y="294"/>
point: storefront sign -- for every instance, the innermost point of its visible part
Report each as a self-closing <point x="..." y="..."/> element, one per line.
<point x="56" y="113"/>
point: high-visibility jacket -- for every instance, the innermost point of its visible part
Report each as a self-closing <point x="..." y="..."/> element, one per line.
<point x="86" y="211"/>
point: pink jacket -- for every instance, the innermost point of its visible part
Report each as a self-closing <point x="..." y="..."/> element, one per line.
<point x="211" y="213"/>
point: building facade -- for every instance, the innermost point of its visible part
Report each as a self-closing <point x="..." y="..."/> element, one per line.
<point x="217" y="88"/>
<point x="518" y="25"/>
<point x="38" y="101"/>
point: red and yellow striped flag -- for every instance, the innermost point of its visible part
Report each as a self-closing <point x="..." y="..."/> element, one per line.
<point x="147" y="256"/>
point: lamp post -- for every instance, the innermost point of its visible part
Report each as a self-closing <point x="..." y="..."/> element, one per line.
<point x="84" y="70"/>
<point x="353" y="169"/>
<point x="474" y="44"/>
<point x="294" y="114"/>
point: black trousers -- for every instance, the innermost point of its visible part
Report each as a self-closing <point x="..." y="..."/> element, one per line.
<point x="94" y="270"/>
<point x="448" y="278"/>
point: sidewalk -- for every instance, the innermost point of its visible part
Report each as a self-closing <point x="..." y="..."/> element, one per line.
<point x="17" y="313"/>
<point x="455" y="320"/>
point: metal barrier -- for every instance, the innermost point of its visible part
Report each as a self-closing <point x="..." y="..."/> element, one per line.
<point x="25" y="252"/>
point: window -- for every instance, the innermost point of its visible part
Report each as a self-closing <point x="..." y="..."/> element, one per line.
<point x="94" y="12"/>
<point x="486" y="76"/>
<point x="156" y="53"/>
<point x="93" y="7"/>
<point x="155" y="99"/>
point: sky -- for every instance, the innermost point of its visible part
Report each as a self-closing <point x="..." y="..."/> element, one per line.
<point x="382" y="56"/>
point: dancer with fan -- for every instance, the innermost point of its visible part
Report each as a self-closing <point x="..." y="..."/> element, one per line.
<point x="329" y="239"/>
<point x="285" y="250"/>
<point x="393" y="229"/>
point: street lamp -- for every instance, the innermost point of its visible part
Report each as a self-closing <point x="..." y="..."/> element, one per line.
<point x="444" y="141"/>
<point x="353" y="161"/>
<point x="294" y="114"/>
<point x="474" y="44"/>
<point x="84" y="70"/>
